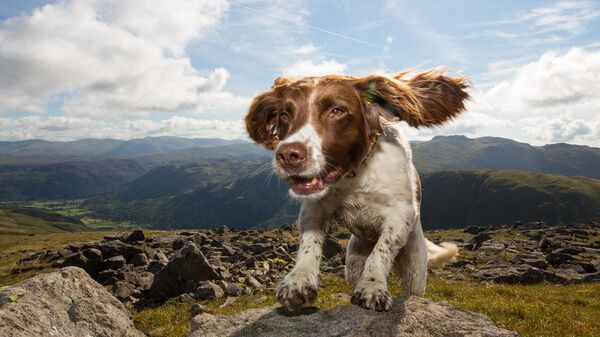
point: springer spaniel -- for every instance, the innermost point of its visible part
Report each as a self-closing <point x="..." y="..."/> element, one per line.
<point x="336" y="142"/>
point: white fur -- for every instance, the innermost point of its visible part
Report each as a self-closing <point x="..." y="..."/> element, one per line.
<point x="381" y="209"/>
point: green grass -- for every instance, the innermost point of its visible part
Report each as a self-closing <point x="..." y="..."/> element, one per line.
<point x="532" y="310"/>
<point x="15" y="247"/>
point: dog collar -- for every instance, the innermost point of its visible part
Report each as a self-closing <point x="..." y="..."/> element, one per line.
<point x="352" y="174"/>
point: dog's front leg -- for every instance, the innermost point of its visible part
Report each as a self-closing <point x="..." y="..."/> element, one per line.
<point x="371" y="291"/>
<point x="300" y="286"/>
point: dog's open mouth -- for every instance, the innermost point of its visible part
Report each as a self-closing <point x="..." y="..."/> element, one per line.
<point x="308" y="185"/>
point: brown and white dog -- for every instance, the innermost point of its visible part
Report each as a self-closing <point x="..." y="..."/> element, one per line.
<point x="339" y="146"/>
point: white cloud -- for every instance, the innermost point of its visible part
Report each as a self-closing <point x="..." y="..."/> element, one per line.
<point x="71" y="128"/>
<point x="309" y="68"/>
<point x="554" y="99"/>
<point x="569" y="16"/>
<point x="307" y="49"/>
<point x="110" y="58"/>
<point x="559" y="129"/>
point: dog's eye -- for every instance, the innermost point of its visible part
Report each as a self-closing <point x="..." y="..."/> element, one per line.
<point x="284" y="117"/>
<point x="336" y="113"/>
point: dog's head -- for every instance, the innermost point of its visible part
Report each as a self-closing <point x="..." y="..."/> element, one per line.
<point x="321" y="128"/>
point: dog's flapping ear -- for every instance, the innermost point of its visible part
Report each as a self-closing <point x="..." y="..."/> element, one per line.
<point x="426" y="99"/>
<point x="266" y="123"/>
<point x="263" y="120"/>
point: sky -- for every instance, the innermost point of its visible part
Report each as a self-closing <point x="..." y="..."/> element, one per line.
<point x="73" y="69"/>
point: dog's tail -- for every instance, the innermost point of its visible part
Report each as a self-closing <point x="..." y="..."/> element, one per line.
<point x="437" y="255"/>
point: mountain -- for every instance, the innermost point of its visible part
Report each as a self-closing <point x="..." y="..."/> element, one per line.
<point x="80" y="178"/>
<point x="68" y="180"/>
<point x="460" y="152"/>
<point x="450" y="199"/>
<point x="95" y="148"/>
<point x="488" y="197"/>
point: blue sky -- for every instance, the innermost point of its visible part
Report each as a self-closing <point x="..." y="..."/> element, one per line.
<point x="122" y="68"/>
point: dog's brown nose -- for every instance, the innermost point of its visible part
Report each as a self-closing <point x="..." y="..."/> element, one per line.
<point x="291" y="156"/>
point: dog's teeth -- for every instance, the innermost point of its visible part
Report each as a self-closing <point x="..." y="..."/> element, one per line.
<point x="314" y="180"/>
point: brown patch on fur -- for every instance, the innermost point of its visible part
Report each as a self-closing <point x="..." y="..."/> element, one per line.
<point x="427" y="99"/>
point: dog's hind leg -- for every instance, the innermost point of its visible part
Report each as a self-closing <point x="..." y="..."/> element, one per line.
<point x="356" y="254"/>
<point x="411" y="263"/>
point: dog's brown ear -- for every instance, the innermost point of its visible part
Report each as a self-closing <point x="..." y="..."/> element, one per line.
<point x="262" y="120"/>
<point x="426" y="99"/>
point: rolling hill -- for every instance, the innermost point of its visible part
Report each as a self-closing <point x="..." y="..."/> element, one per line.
<point x="103" y="148"/>
<point x="31" y="220"/>
<point x="459" y="152"/>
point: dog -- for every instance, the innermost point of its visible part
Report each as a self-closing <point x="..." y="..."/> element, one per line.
<point x="337" y="141"/>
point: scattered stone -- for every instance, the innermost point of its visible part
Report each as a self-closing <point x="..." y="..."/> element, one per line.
<point x="139" y="260"/>
<point x="522" y="274"/>
<point x="208" y="290"/>
<point x="197" y="309"/>
<point x="123" y="290"/>
<point x="228" y="302"/>
<point x="135" y="236"/>
<point x="115" y="262"/>
<point x="183" y="273"/>
<point x="252" y="282"/>
<point x="234" y="290"/>
<point x="477" y="240"/>
<point x="332" y="247"/>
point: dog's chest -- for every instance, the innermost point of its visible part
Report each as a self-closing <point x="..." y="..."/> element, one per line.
<point x="378" y="189"/>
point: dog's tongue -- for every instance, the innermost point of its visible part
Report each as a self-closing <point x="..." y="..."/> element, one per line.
<point x="306" y="186"/>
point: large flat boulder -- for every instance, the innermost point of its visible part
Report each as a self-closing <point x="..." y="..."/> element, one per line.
<point x="414" y="316"/>
<point x="65" y="303"/>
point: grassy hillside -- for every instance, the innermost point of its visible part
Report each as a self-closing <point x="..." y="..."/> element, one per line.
<point x="48" y="218"/>
<point x="30" y="220"/>
<point x="450" y="199"/>
<point x="481" y="197"/>
<point x="68" y="180"/>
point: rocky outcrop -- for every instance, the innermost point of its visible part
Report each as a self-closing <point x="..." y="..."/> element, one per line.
<point x="146" y="269"/>
<point x="409" y="317"/>
<point x="63" y="303"/>
<point x="183" y="273"/>
<point x="528" y="253"/>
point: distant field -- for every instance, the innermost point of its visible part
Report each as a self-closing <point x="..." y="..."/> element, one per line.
<point x="51" y="217"/>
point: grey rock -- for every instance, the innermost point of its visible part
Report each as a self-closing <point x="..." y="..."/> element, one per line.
<point x="332" y="247"/>
<point x="477" y="240"/>
<point x="139" y="260"/>
<point x="135" y="236"/>
<point x="523" y="274"/>
<point x="116" y="247"/>
<point x="183" y="273"/>
<point x="64" y="303"/>
<point x="197" y="309"/>
<point x="409" y="317"/>
<point x="115" y="262"/>
<point x="208" y="290"/>
<point x="253" y="282"/>
<point x="556" y="259"/>
<point x="123" y="289"/>
<point x="234" y="290"/>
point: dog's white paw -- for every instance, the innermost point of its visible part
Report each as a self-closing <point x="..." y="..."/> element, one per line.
<point x="372" y="297"/>
<point x="294" y="292"/>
